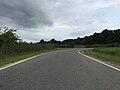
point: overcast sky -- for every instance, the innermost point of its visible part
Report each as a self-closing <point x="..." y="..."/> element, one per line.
<point x="59" y="19"/>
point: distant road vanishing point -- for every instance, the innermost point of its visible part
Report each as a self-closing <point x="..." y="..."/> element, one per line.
<point x="61" y="70"/>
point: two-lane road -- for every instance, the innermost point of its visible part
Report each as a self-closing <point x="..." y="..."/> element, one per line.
<point x="63" y="70"/>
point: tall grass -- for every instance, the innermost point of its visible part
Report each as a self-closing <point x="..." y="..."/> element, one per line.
<point x="109" y="54"/>
<point x="16" y="52"/>
<point x="24" y="47"/>
<point x="79" y="46"/>
<point x="108" y="51"/>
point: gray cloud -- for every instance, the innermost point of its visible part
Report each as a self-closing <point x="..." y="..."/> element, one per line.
<point x="78" y="33"/>
<point x="25" y="13"/>
<point x="36" y="19"/>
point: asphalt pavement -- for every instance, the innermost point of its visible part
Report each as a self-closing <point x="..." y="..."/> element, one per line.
<point x="62" y="70"/>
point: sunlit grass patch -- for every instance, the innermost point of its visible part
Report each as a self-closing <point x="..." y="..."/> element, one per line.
<point x="109" y="54"/>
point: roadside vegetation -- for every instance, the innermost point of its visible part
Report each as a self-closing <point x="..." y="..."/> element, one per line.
<point x="10" y="58"/>
<point x="13" y="48"/>
<point x="108" y="54"/>
<point x="80" y="46"/>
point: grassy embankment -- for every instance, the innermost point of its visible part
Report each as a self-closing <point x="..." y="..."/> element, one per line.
<point x="108" y="54"/>
<point x="80" y="46"/>
<point x="10" y="58"/>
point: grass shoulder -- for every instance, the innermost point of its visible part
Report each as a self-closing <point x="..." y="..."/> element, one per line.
<point x="10" y="58"/>
<point x="108" y="54"/>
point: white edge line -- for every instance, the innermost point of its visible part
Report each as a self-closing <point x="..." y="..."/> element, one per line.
<point x="100" y="61"/>
<point x="18" y="62"/>
<point x="24" y="60"/>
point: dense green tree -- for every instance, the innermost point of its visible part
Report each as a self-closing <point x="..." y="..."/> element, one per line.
<point x="106" y="37"/>
<point x="7" y="38"/>
<point x="42" y="41"/>
<point x="69" y="43"/>
<point x="52" y="41"/>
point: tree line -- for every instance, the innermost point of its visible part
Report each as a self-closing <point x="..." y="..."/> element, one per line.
<point x="105" y="38"/>
<point x="11" y="43"/>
